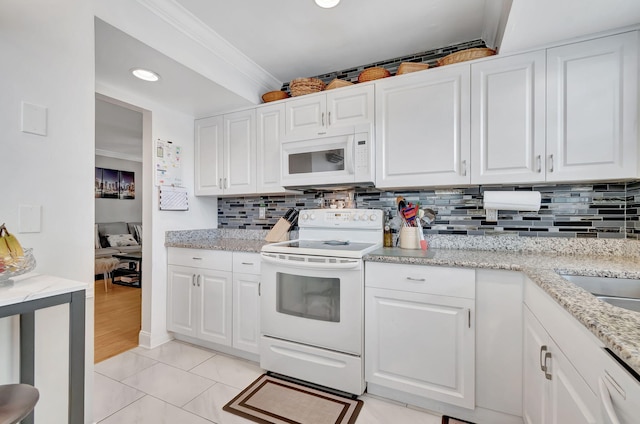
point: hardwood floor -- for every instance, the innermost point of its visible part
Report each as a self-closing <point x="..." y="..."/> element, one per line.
<point x="117" y="319"/>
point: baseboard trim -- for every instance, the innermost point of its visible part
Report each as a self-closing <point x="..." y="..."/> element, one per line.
<point x="150" y="341"/>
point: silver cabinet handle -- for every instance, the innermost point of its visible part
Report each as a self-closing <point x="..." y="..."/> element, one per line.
<point x="220" y="183"/>
<point x="198" y="280"/>
<point x="247" y="263"/>
<point x="551" y="163"/>
<point x="464" y="168"/>
<point x="543" y="361"/>
<point x="195" y="258"/>
<point x="329" y="117"/>
<point x="607" y="404"/>
<point x="539" y="159"/>
<point x="323" y="119"/>
<point x="543" y="367"/>
<point x="420" y="280"/>
<point x="193" y="280"/>
<point x="259" y="289"/>
<point x="225" y="183"/>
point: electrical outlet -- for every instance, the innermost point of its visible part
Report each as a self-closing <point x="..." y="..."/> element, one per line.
<point x="492" y="215"/>
<point x="262" y="214"/>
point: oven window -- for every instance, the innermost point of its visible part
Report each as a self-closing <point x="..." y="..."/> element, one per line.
<point x="322" y="161"/>
<point x="308" y="297"/>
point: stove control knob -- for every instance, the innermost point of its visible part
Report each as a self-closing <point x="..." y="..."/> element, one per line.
<point x="373" y="217"/>
<point x="312" y="216"/>
<point x="355" y="217"/>
<point x="363" y="217"/>
<point x="304" y="216"/>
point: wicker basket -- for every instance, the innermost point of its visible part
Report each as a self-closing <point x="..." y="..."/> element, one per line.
<point x="272" y="96"/>
<point x="407" y="67"/>
<point x="371" y="74"/>
<point x="302" y="86"/>
<point x="337" y="83"/>
<point x="464" y="55"/>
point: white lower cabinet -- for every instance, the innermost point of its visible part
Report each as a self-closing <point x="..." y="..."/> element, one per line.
<point x="208" y="302"/>
<point x="420" y="331"/>
<point x="554" y="392"/>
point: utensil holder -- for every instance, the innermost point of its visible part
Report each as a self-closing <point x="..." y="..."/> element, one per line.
<point x="409" y="238"/>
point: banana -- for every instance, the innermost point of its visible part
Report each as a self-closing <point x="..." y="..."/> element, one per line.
<point x="9" y="245"/>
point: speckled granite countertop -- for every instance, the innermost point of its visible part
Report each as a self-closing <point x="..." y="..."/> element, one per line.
<point x="217" y="239"/>
<point x="617" y="328"/>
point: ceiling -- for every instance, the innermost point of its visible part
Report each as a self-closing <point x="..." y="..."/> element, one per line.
<point x="208" y="51"/>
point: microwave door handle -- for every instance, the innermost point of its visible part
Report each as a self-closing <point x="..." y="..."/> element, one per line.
<point x="349" y="155"/>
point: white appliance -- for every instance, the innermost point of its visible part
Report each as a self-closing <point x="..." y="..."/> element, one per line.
<point x="341" y="157"/>
<point x="312" y="301"/>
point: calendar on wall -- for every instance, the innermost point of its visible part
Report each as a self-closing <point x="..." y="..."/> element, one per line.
<point x="173" y="198"/>
<point x="168" y="163"/>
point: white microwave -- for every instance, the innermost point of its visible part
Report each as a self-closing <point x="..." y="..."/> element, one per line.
<point x="343" y="157"/>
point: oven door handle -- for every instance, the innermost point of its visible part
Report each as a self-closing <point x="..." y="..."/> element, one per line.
<point x="347" y="264"/>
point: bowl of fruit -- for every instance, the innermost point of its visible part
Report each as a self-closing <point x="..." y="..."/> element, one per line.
<point x="14" y="260"/>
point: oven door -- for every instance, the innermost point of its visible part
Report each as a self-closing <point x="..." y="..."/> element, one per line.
<point x="313" y="300"/>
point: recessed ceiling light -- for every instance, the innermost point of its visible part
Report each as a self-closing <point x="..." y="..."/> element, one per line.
<point x="327" y="3"/>
<point x="145" y="74"/>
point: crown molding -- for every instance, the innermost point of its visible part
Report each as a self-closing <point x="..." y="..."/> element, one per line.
<point x="185" y="22"/>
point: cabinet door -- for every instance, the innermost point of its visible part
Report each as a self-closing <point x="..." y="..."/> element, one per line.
<point x="536" y="345"/>
<point x="350" y="106"/>
<point x="421" y="344"/>
<point x="180" y="300"/>
<point x="554" y="392"/>
<point x="592" y="109"/>
<point x="306" y="117"/>
<point x="209" y="156"/>
<point x="508" y="119"/>
<point x="240" y="152"/>
<point x="269" y="132"/>
<point x="214" y="306"/>
<point x="572" y="399"/>
<point x="246" y="312"/>
<point x="422" y="128"/>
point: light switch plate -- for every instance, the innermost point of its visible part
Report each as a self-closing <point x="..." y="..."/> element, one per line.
<point x="262" y="212"/>
<point x="492" y="215"/>
<point x="29" y="219"/>
<point x="34" y="119"/>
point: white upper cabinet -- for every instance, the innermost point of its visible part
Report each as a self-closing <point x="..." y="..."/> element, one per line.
<point x="592" y="109"/>
<point x="225" y="154"/>
<point x="269" y="132"/>
<point x="508" y="119"/>
<point x="208" y="156"/>
<point x="317" y="114"/>
<point x="240" y="152"/>
<point x="422" y="128"/>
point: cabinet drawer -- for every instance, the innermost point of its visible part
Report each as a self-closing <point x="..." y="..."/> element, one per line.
<point x="246" y="263"/>
<point x="437" y="280"/>
<point x="201" y="258"/>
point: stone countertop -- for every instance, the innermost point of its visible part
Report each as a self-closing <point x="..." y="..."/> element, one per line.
<point x="218" y="239"/>
<point x="617" y="328"/>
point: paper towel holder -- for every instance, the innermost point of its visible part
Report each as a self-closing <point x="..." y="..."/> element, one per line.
<point x="510" y="200"/>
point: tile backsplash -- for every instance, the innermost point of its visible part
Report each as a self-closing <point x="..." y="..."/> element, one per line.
<point x="430" y="57"/>
<point x="598" y="210"/>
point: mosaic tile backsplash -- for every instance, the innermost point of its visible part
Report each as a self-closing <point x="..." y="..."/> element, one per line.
<point x="430" y="57"/>
<point x="599" y="210"/>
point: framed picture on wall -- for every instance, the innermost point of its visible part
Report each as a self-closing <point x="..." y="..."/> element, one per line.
<point x="110" y="183"/>
<point x="127" y="185"/>
<point x="98" y="189"/>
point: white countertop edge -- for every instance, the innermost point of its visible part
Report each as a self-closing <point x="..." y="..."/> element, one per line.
<point x="32" y="286"/>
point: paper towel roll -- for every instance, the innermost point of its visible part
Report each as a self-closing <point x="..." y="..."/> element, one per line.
<point x="512" y="200"/>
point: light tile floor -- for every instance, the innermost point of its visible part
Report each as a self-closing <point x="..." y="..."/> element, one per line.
<point x="181" y="383"/>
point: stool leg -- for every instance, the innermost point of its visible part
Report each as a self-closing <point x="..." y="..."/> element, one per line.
<point x="105" y="282"/>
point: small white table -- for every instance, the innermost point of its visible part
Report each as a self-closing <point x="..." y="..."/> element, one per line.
<point x="31" y="292"/>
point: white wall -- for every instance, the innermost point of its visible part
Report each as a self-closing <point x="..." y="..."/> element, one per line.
<point x="121" y="210"/>
<point x="48" y="60"/>
<point x="160" y="122"/>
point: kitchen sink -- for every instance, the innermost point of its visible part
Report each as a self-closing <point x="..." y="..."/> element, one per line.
<point x="620" y="292"/>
